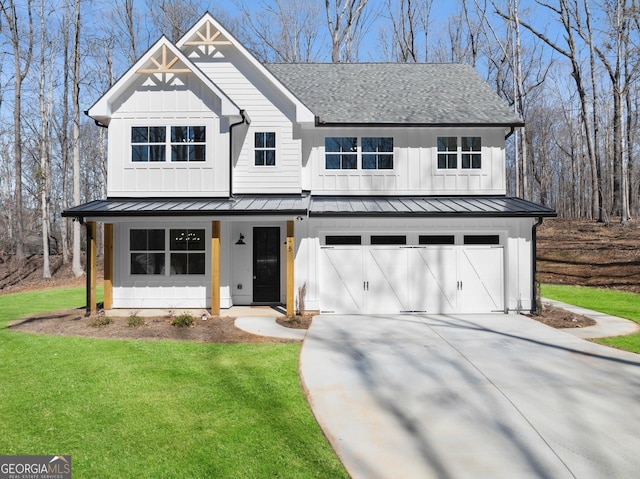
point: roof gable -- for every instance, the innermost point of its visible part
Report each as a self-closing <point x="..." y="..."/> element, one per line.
<point x="208" y="38"/>
<point x="162" y="63"/>
<point x="396" y="93"/>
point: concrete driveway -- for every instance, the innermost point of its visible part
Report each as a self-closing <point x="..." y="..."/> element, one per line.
<point x="477" y="396"/>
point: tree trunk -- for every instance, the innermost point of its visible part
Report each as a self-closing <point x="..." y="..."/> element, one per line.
<point x="75" y="73"/>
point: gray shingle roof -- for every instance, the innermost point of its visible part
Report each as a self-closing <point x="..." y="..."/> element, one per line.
<point x="395" y="93"/>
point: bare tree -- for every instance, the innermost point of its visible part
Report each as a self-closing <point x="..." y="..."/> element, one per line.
<point x="282" y="30"/>
<point x="173" y="17"/>
<point x="22" y="55"/>
<point x="347" y="22"/>
<point x="75" y="95"/>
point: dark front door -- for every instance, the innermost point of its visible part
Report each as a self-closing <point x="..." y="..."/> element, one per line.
<point x="266" y="265"/>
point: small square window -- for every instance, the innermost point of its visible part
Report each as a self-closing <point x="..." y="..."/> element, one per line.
<point x="265" y="149"/>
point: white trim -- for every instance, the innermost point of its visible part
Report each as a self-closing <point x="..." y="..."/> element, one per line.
<point x="303" y="114"/>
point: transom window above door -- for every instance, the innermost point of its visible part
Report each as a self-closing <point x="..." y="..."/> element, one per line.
<point x="168" y="143"/>
<point x="347" y="153"/>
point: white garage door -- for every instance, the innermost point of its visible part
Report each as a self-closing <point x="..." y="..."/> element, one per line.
<point x="396" y="279"/>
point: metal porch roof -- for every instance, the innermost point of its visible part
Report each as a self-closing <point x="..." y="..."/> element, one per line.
<point x="427" y="206"/>
<point x="316" y="206"/>
<point x="242" y="205"/>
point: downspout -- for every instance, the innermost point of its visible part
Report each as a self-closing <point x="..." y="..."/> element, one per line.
<point x="244" y="119"/>
<point x="534" y="296"/>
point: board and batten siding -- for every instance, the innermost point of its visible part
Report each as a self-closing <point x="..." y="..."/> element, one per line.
<point x="185" y="102"/>
<point x="268" y="111"/>
<point x="415" y="164"/>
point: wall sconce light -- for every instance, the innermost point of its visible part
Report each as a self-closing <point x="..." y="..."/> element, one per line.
<point x="241" y="240"/>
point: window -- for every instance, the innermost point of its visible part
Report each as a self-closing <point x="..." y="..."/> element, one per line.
<point x="447" y="152"/>
<point x="187" y="251"/>
<point x="436" y="239"/>
<point x="471" y="156"/>
<point x="343" y="240"/>
<point x="147" y="251"/>
<point x="389" y="239"/>
<point x="151" y="143"/>
<point x="341" y="153"/>
<point x="482" y="239"/>
<point x="377" y="153"/>
<point x="265" y="148"/>
<point x="470" y="152"/>
<point x="148" y="143"/>
<point x="188" y="143"/>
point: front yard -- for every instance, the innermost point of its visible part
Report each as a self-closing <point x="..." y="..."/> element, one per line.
<point x="136" y="408"/>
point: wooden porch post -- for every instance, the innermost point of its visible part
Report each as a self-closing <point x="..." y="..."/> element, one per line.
<point x="290" y="257"/>
<point x="91" y="268"/>
<point x="215" y="268"/>
<point x="108" y="265"/>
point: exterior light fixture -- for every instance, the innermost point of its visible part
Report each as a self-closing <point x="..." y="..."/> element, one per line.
<point x="241" y="240"/>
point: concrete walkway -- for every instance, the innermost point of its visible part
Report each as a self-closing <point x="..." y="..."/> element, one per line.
<point x="477" y="396"/>
<point x="267" y="326"/>
<point x="606" y="325"/>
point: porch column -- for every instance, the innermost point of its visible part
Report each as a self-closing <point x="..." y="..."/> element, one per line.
<point x="215" y="268"/>
<point x="108" y="265"/>
<point x="290" y="257"/>
<point x="91" y="268"/>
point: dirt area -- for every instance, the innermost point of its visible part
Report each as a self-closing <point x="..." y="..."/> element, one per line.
<point x="587" y="253"/>
<point x="579" y="252"/>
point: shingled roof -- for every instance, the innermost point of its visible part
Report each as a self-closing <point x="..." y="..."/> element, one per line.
<point x="435" y="94"/>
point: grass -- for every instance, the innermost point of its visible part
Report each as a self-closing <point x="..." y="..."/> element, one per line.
<point x="616" y="303"/>
<point x="168" y="409"/>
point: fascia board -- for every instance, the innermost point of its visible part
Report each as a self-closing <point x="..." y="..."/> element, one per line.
<point x="303" y="114"/>
<point x="101" y="110"/>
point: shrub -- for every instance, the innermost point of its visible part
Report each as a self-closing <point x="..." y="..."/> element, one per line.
<point x="101" y="321"/>
<point x="183" y="321"/>
<point x="135" y="321"/>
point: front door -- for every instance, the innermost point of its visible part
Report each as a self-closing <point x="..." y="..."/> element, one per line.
<point x="266" y="264"/>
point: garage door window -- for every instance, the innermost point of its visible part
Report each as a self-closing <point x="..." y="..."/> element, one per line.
<point x="437" y="239"/>
<point x="388" y="239"/>
<point x="343" y="240"/>
<point x="482" y="239"/>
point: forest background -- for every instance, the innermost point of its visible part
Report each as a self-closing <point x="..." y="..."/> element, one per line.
<point x="569" y="68"/>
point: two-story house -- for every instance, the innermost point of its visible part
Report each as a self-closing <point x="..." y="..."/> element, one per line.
<point x="379" y="187"/>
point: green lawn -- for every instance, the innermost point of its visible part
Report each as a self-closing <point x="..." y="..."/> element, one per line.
<point x="167" y="409"/>
<point x="616" y="303"/>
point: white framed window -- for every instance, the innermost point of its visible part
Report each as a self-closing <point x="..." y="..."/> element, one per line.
<point x="188" y="143"/>
<point x="184" y="251"/>
<point x="377" y="153"/>
<point x="464" y="152"/>
<point x="351" y="153"/>
<point x="264" y="144"/>
<point x="168" y="144"/>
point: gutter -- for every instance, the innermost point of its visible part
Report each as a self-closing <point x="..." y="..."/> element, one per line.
<point x="244" y="119"/>
<point x="534" y="296"/>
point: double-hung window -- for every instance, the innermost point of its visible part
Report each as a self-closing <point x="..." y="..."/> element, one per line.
<point x="187" y="251"/>
<point x="265" y="148"/>
<point x="188" y="143"/>
<point x="341" y="153"/>
<point x="148" y="143"/>
<point x="147" y="251"/>
<point x="168" y="143"/>
<point x="469" y="156"/>
<point x="448" y="152"/>
<point x="471" y="152"/>
<point x="377" y="153"/>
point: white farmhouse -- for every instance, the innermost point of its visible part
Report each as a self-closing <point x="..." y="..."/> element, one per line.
<point x="381" y="187"/>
